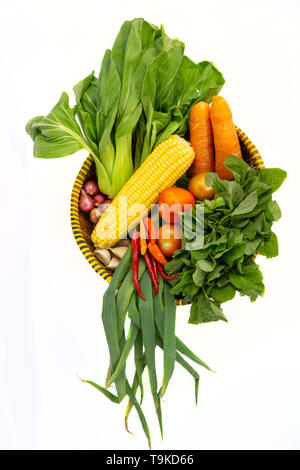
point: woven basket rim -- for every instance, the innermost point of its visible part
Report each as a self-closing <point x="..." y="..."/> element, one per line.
<point x="254" y="158"/>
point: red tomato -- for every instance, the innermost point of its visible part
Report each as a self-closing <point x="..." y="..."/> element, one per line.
<point x="169" y="239"/>
<point x="174" y="200"/>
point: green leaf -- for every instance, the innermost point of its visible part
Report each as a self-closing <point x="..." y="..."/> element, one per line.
<point x="130" y="53"/>
<point x="212" y="179"/>
<point x="235" y="192"/>
<point x="238" y="167"/>
<point x="250" y="230"/>
<point x="248" y="284"/>
<point x="126" y="295"/>
<point x="140" y="412"/>
<point x="88" y="127"/>
<point x="206" y="265"/>
<point x="234" y="253"/>
<point x="169" y="338"/>
<point x="130" y="340"/>
<point x="174" y="265"/>
<point x="186" y="279"/>
<point x="86" y="108"/>
<point x="185" y="365"/>
<point x="223" y="294"/>
<point x="133" y="38"/>
<point x="252" y="246"/>
<point x="57" y="134"/>
<point x="110" y="320"/>
<point x="183" y="349"/>
<point x="194" y="83"/>
<point x="148" y="332"/>
<point x="133" y="311"/>
<point x="199" y="276"/>
<point x="274" y="177"/>
<point x="173" y="83"/>
<point x="162" y="68"/>
<point x="139" y="361"/>
<point x="103" y="390"/>
<point x="273" y="212"/>
<point x="204" y="310"/>
<point x="269" y="247"/>
<point x="247" y="205"/>
<point x="215" y="273"/>
<point x="215" y="203"/>
<point x="85" y="93"/>
<point x="108" y="94"/>
<point x="32" y="126"/>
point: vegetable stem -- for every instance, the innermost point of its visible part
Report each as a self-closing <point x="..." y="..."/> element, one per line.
<point x="123" y="165"/>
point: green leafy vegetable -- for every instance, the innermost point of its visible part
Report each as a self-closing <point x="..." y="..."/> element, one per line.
<point x="204" y="310"/>
<point x="237" y="224"/>
<point x="143" y="94"/>
<point x="58" y="134"/>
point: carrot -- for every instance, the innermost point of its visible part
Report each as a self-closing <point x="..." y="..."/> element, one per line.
<point x="201" y="138"/>
<point x="226" y="140"/>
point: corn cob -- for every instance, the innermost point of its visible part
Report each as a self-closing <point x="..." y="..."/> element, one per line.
<point x="160" y="170"/>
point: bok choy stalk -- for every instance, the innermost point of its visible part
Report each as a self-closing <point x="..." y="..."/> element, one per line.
<point x="87" y="109"/>
<point x="130" y="55"/>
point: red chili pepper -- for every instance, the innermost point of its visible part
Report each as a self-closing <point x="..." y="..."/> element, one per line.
<point x="163" y="274"/>
<point x="151" y="229"/>
<point x="155" y="269"/>
<point x="151" y="272"/>
<point x="135" y="262"/>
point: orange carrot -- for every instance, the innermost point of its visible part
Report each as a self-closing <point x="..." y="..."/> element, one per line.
<point x="143" y="238"/>
<point x="201" y="138"/>
<point x="226" y="140"/>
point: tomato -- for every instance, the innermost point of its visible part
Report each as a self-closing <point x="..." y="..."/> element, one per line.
<point x="174" y="200"/>
<point x="199" y="189"/>
<point x="169" y="239"/>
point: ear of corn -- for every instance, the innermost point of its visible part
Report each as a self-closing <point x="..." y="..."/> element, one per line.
<point x="161" y="169"/>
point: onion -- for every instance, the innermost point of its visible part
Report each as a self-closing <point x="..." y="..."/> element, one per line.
<point x="98" y="199"/>
<point x="91" y="187"/>
<point x="86" y="203"/>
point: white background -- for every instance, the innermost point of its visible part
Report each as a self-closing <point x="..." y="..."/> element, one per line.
<point x="50" y="300"/>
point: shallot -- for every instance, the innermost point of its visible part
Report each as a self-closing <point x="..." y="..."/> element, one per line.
<point x="98" y="199"/>
<point x="91" y="187"/>
<point x="86" y="203"/>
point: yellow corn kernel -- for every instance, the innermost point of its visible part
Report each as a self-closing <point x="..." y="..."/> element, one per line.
<point x="160" y="170"/>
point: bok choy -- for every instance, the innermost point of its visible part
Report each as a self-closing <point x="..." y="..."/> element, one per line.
<point x="143" y="94"/>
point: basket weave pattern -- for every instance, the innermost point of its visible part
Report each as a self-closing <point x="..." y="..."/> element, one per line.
<point x="81" y="225"/>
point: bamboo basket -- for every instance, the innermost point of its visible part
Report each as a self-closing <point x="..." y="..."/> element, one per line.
<point x="82" y="226"/>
